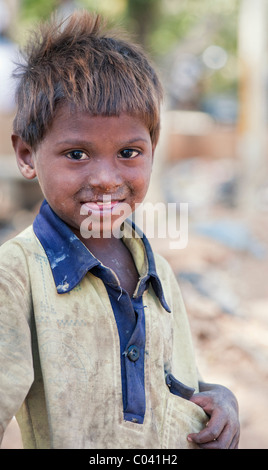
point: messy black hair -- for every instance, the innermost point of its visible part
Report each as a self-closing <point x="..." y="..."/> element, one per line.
<point x="76" y="62"/>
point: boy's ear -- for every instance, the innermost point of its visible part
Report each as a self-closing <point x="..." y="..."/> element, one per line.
<point x="24" y="155"/>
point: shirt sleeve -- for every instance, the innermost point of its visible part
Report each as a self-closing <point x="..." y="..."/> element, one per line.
<point x="16" y="367"/>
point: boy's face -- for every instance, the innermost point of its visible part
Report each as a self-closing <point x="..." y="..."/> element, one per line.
<point x="84" y="160"/>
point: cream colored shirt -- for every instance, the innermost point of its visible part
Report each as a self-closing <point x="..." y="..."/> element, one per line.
<point x="60" y="358"/>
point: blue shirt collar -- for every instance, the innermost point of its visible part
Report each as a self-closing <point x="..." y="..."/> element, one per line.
<point x="70" y="259"/>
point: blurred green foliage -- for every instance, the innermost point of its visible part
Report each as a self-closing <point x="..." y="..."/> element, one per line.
<point x="162" y="26"/>
<point x="31" y="10"/>
<point x="158" y="24"/>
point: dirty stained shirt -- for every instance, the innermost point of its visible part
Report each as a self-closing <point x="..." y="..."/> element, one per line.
<point x="70" y="260"/>
<point x="83" y="365"/>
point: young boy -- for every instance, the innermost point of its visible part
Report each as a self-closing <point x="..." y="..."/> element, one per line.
<point x="95" y="344"/>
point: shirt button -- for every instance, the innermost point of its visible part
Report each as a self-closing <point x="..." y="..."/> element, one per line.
<point x="133" y="353"/>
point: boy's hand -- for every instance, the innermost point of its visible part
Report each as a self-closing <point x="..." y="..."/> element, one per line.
<point x="223" y="429"/>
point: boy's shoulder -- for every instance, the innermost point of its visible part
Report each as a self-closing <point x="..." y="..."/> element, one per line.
<point x="162" y="264"/>
<point x="15" y="258"/>
<point x="19" y="246"/>
<point x="168" y="280"/>
<point x="24" y="237"/>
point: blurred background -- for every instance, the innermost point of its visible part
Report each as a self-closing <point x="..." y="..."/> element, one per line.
<point x="212" y="59"/>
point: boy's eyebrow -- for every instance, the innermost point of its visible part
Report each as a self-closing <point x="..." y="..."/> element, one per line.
<point x="136" y="139"/>
<point x="83" y="143"/>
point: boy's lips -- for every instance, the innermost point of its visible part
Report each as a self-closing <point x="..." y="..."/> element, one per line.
<point x="99" y="206"/>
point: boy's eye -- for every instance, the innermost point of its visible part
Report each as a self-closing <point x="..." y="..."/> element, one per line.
<point x="77" y="155"/>
<point x="129" y="153"/>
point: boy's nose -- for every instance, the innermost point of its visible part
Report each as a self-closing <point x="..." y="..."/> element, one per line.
<point x="105" y="177"/>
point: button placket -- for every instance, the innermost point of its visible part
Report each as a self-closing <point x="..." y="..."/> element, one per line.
<point x="134" y="363"/>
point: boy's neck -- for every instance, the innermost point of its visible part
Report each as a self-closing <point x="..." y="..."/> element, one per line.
<point x="114" y="254"/>
<point x="101" y="245"/>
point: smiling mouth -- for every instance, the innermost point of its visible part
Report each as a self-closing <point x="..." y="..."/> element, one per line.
<point x="106" y="205"/>
<point x="100" y="206"/>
